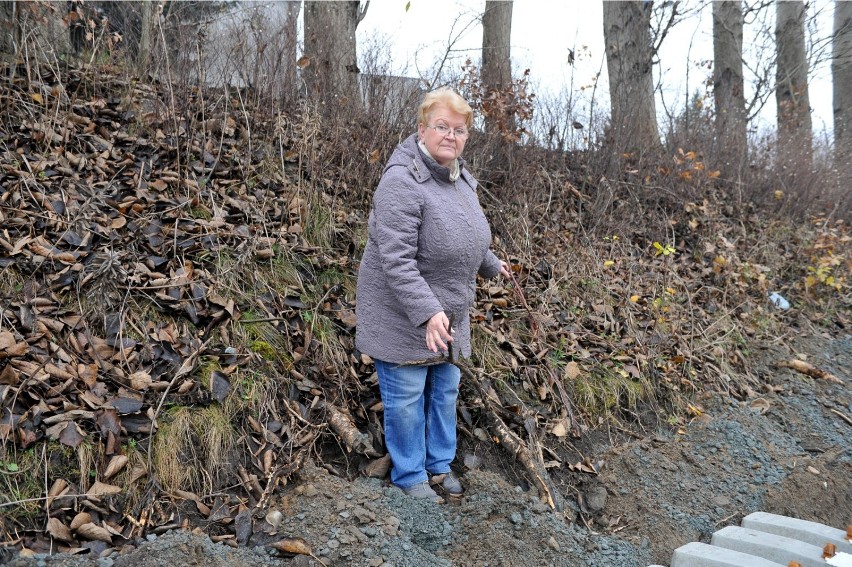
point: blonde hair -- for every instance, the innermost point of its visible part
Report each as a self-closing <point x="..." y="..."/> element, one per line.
<point x="448" y="98"/>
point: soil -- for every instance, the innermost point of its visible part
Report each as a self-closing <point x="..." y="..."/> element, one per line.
<point x="786" y="449"/>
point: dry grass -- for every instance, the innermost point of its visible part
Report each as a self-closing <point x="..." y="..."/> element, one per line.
<point x="193" y="450"/>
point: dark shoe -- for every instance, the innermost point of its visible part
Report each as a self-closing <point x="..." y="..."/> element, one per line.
<point x="422" y="490"/>
<point x="449" y="483"/>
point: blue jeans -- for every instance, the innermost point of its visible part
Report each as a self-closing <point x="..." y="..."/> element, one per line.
<point x="420" y="418"/>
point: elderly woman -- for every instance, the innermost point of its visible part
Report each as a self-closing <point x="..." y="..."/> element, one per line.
<point x="427" y="240"/>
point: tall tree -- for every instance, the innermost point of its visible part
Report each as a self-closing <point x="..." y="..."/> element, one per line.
<point x="147" y="28"/>
<point x="841" y="72"/>
<point x="629" y="60"/>
<point x="728" y="85"/>
<point x="10" y="27"/>
<point x="795" y="137"/>
<point x="291" y="43"/>
<point x="497" y="64"/>
<point x="330" y="46"/>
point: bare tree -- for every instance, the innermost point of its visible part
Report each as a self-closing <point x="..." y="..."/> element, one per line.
<point x="10" y="26"/>
<point x="291" y="44"/>
<point x="795" y="137"/>
<point x="728" y="85"/>
<point x="330" y="46"/>
<point x="629" y="59"/>
<point x="144" y="55"/>
<point x="496" y="61"/>
<point x="841" y="71"/>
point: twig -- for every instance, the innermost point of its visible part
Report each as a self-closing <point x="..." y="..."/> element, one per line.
<point x="842" y="416"/>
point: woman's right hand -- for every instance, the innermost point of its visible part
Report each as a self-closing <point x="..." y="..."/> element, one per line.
<point x="437" y="332"/>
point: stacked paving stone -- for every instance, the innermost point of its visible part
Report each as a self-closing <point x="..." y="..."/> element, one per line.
<point x="770" y="540"/>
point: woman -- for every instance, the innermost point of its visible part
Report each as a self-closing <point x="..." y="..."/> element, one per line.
<point x="427" y="240"/>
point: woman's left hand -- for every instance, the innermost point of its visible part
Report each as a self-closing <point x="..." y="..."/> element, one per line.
<point x="505" y="269"/>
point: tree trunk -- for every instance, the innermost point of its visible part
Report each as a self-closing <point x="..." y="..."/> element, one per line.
<point x="496" y="64"/>
<point x="728" y="87"/>
<point x="791" y="83"/>
<point x="331" y="76"/>
<point x="11" y="26"/>
<point x="633" y="119"/>
<point x="841" y="72"/>
<point x="146" y="27"/>
<point x="291" y="43"/>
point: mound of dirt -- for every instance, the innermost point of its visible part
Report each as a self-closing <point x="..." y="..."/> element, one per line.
<point x="787" y="450"/>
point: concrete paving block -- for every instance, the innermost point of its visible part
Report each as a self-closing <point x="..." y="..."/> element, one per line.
<point x="840" y="560"/>
<point x="802" y="530"/>
<point x="698" y="554"/>
<point x="769" y="546"/>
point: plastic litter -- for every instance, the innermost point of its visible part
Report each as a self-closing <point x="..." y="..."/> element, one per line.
<point x="778" y="300"/>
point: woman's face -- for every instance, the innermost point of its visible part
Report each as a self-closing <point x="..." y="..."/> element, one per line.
<point x="448" y="145"/>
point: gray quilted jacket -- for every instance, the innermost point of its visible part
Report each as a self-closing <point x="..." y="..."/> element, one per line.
<point x="427" y="240"/>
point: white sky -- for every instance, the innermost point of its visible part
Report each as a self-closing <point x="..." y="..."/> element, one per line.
<point x="543" y="31"/>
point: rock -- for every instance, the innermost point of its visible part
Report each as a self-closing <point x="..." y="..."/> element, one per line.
<point x="595" y="499"/>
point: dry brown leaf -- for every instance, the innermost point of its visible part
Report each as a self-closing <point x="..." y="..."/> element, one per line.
<point x="58" y="372"/>
<point x="17" y="349"/>
<point x="572" y="370"/>
<point x="115" y="465"/>
<point x="88" y="373"/>
<point x="294" y="545"/>
<point x="7" y="339"/>
<point x="140" y="380"/>
<point x="186" y="495"/>
<point x="759" y="404"/>
<point x="58" y="530"/>
<point x="58" y="487"/>
<point x="71" y="435"/>
<point x="80" y="519"/>
<point x="560" y="428"/>
<point x="95" y="532"/>
<point x="203" y="508"/>
<point x="102" y="489"/>
<point x="9" y="376"/>
<point x="273" y="518"/>
<point x="138" y="471"/>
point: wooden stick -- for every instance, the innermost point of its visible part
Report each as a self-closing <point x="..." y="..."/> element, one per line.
<point x="843" y="416"/>
<point x="810" y="370"/>
<point x="349" y="434"/>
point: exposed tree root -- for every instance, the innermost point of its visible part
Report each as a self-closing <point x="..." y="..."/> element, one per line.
<point x="514" y="444"/>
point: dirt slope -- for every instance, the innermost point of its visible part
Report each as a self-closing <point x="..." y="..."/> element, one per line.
<point x="786" y="451"/>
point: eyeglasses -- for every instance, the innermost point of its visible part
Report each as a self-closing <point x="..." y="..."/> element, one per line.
<point x="445" y="130"/>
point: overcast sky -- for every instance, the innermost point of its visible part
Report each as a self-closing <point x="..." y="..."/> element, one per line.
<point x="543" y="32"/>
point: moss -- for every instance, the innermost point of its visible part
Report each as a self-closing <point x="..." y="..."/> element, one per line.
<point x="208" y="366"/>
<point x="264" y="349"/>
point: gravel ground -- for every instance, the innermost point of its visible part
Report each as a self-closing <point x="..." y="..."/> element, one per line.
<point x="784" y="451"/>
